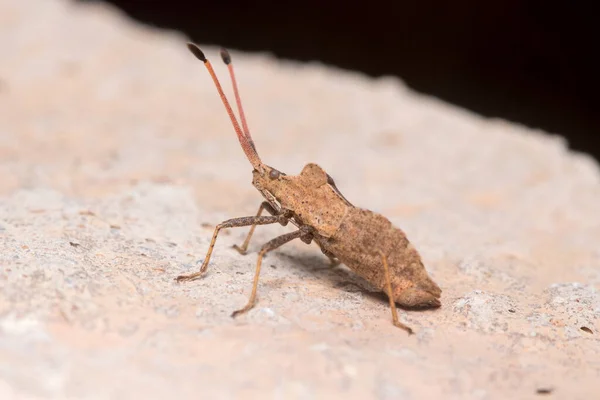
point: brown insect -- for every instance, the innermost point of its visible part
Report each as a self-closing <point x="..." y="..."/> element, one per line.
<point x="363" y="240"/>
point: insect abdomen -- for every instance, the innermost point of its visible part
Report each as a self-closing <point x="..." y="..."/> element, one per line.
<point x="358" y="242"/>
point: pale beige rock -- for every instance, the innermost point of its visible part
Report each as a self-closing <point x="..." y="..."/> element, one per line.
<point x="115" y="151"/>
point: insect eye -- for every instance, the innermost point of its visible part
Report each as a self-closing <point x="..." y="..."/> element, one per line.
<point x="274" y="174"/>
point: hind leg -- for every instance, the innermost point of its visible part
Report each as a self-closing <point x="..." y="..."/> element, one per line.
<point x="388" y="282"/>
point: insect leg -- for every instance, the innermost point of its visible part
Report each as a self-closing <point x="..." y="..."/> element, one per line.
<point x="388" y="283"/>
<point x="302" y="233"/>
<point x="264" y="206"/>
<point x="230" y="223"/>
<point x="333" y="260"/>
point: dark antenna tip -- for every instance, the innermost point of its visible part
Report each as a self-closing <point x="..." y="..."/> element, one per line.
<point x="225" y="56"/>
<point x="196" y="51"/>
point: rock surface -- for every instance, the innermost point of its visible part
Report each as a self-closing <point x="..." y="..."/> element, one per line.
<point x="117" y="159"/>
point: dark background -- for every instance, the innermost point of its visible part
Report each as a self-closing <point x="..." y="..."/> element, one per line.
<point x="532" y="62"/>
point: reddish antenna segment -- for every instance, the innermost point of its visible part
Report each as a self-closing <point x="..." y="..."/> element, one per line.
<point x="226" y="57"/>
<point x="243" y="136"/>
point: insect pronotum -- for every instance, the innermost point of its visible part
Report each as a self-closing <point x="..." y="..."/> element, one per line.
<point x="363" y="240"/>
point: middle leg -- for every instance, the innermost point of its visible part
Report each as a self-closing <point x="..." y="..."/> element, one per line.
<point x="303" y="233"/>
<point x="333" y="260"/>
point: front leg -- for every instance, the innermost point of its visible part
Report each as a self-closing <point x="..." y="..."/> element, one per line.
<point x="230" y="223"/>
<point x="263" y="206"/>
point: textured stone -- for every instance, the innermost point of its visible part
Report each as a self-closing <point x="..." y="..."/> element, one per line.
<point x="117" y="159"/>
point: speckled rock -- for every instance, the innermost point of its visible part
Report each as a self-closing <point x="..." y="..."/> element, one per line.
<point x="117" y="159"/>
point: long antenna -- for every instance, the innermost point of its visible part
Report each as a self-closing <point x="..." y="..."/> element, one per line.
<point x="244" y="138"/>
<point x="226" y="57"/>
